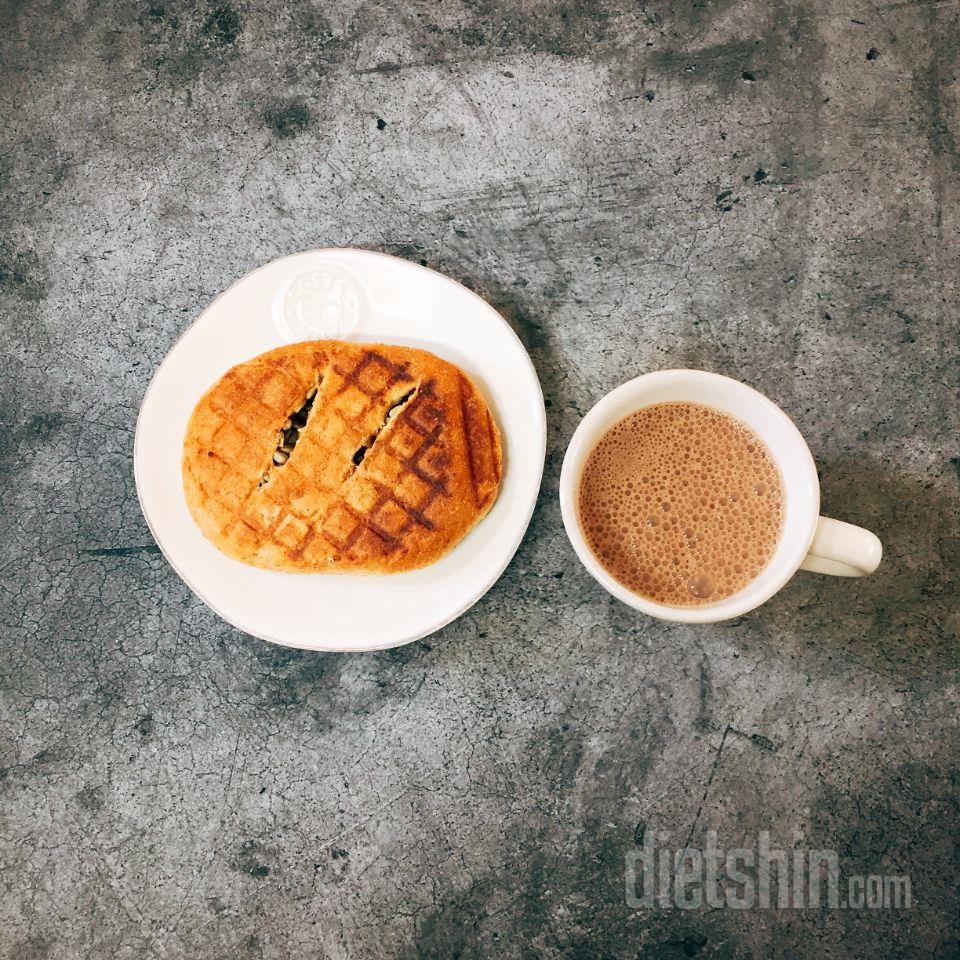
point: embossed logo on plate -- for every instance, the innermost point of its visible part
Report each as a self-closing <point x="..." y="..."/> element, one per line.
<point x="321" y="302"/>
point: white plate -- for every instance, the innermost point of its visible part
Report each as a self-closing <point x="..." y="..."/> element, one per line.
<point x="362" y="296"/>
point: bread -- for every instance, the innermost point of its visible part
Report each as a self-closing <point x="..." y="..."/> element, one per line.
<point x="333" y="457"/>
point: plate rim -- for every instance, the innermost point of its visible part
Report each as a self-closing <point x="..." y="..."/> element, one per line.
<point x="541" y="425"/>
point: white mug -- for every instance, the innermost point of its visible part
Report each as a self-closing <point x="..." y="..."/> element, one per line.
<point x="807" y="540"/>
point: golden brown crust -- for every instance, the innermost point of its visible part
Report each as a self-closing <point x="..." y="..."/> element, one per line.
<point x="398" y="459"/>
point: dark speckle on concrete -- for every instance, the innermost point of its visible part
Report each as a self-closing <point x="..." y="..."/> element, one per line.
<point x="725" y="200"/>
<point x="21" y="273"/>
<point x="222" y="25"/>
<point x="287" y="119"/>
<point x="145" y="726"/>
<point x="472" y="37"/>
<point x="689" y="946"/>
<point x="44" y="426"/>
<point x="721" y="185"/>
<point x="249" y="859"/>
<point x="90" y="798"/>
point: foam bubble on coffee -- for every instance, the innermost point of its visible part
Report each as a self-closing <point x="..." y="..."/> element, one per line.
<point x="681" y="503"/>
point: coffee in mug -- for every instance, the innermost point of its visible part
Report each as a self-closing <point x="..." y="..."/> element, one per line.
<point x="681" y="503"/>
<point x="800" y="539"/>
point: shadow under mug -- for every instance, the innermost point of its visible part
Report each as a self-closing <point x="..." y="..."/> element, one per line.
<point x="807" y="540"/>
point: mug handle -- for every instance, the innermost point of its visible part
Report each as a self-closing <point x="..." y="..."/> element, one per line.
<point x="842" y="549"/>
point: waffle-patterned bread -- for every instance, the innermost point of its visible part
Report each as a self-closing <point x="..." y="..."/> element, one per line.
<point x="341" y="457"/>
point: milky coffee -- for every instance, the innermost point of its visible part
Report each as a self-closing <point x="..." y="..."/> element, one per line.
<point x="681" y="503"/>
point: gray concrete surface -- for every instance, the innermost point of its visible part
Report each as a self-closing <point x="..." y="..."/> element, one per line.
<point x="768" y="190"/>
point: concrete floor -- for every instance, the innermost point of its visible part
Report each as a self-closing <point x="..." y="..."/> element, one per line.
<point x="765" y="190"/>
